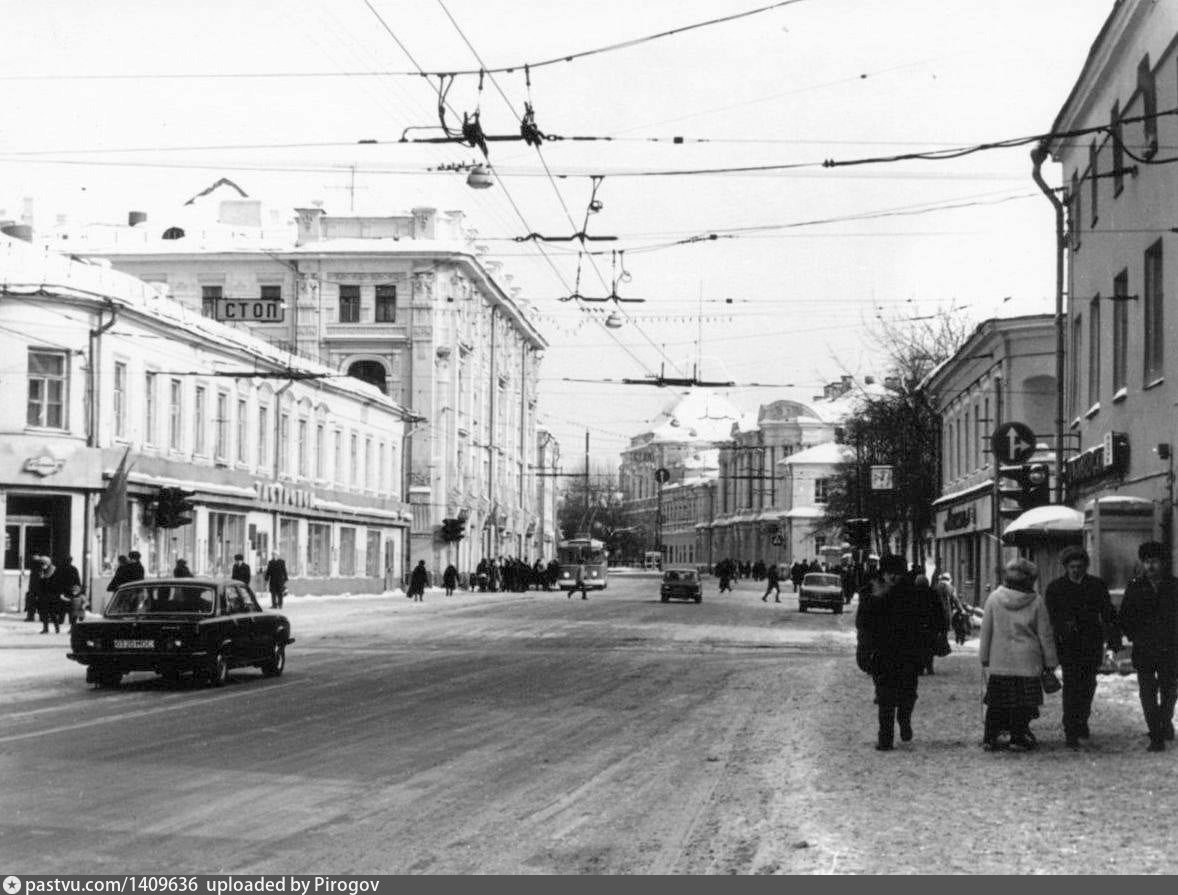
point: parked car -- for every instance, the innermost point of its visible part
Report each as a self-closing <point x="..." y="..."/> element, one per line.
<point x="823" y="589"/>
<point x="172" y="626"/>
<point x="681" y="583"/>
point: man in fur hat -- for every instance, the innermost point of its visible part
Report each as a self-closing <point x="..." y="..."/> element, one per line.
<point x="1149" y="617"/>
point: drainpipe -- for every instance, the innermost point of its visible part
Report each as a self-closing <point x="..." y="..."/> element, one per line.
<point x="1038" y="156"/>
<point x="92" y="434"/>
<point x="275" y="544"/>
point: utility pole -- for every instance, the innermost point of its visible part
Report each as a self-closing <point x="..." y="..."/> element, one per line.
<point x="588" y="523"/>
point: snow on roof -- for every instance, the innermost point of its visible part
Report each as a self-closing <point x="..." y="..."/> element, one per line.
<point x="697" y="416"/>
<point x="805" y="513"/>
<point x="830" y="453"/>
<point x="33" y="269"/>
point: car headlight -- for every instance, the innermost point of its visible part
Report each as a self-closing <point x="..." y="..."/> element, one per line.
<point x="564" y="574"/>
<point x="593" y="574"/>
<point x="92" y="644"/>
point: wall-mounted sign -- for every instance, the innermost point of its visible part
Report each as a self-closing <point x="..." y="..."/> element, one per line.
<point x="1012" y="442"/>
<point x="955" y="520"/>
<point x="1111" y="457"/>
<point x="883" y="478"/>
<point x="257" y="310"/>
<point x="43" y="465"/>
<point x="287" y="497"/>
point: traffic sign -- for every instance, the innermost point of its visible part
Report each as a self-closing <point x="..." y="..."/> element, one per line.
<point x="883" y="478"/>
<point x="662" y="475"/>
<point x="1012" y="442"/>
<point x="777" y="540"/>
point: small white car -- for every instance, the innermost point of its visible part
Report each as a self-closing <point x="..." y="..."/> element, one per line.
<point x="823" y="589"/>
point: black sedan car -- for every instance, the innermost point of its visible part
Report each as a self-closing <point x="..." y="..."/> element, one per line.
<point x="172" y="626"/>
<point x="681" y="583"/>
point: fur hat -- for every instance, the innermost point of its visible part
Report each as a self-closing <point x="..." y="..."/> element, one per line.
<point x="891" y="562"/>
<point x="1020" y="571"/>
<point x="1071" y="554"/>
<point x="1151" y="550"/>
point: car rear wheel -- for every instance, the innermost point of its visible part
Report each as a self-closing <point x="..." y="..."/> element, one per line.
<point x="218" y="671"/>
<point x="274" y="666"/>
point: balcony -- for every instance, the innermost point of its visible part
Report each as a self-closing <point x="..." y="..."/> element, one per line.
<point x="343" y="332"/>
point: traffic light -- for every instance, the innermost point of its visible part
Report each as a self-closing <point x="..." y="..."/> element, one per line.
<point x="857" y="532"/>
<point x="173" y="508"/>
<point x="453" y="529"/>
<point x="1028" y="485"/>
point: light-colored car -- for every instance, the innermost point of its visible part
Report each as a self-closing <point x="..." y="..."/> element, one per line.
<point x="823" y="589"/>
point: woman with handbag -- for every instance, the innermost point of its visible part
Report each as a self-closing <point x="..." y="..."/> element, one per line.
<point x="1017" y="650"/>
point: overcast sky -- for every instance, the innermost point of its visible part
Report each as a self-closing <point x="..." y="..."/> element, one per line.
<point x="819" y="79"/>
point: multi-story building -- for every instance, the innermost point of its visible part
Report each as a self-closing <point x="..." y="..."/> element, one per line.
<point x="808" y="476"/>
<point x="404" y="302"/>
<point x="1121" y="191"/>
<point x="277" y="453"/>
<point x="1004" y="373"/>
<point x="548" y="490"/>
<point x="687" y="511"/>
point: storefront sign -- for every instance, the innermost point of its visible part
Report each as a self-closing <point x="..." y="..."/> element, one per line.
<point x="955" y="520"/>
<point x="261" y="310"/>
<point x="43" y="465"/>
<point x="1109" y="458"/>
<point x="287" y="497"/>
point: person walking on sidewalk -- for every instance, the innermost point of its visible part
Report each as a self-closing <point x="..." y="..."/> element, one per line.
<point x="895" y="625"/>
<point x="418" y="581"/>
<point x="1149" y="617"/>
<point x="46" y="591"/>
<point x="241" y="570"/>
<point x="771" y="579"/>
<point x="276" y="577"/>
<point x="450" y="579"/>
<point x="1082" y="617"/>
<point x="1017" y="645"/>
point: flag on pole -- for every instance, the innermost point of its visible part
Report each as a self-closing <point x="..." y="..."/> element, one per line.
<point x="112" y="506"/>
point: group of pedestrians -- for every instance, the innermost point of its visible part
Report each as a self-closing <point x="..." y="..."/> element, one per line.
<point x="1025" y="637"/>
<point x="509" y="573"/>
<point x="55" y="593"/>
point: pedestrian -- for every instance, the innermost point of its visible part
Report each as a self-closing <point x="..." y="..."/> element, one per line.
<point x="1083" y="619"/>
<point x="450" y="579"/>
<point x="72" y="593"/>
<point x="135" y="570"/>
<point x="894" y="624"/>
<point x="483" y="574"/>
<point x="46" y="592"/>
<point x="241" y="570"/>
<point x="418" y="581"/>
<point x="276" y="577"/>
<point x="579" y="583"/>
<point x="553" y="571"/>
<point x="1149" y="618"/>
<point x="939" y="646"/>
<point x="771" y="578"/>
<point x="181" y="570"/>
<point x="796" y="573"/>
<point x="1017" y="646"/>
<point x="724" y="572"/>
<point x="539" y="574"/>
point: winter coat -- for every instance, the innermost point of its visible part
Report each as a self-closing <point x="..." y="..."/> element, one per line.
<point x="275" y="574"/>
<point x="944" y="592"/>
<point x="1017" y="639"/>
<point x="241" y="572"/>
<point x="1149" y="617"/>
<point x="126" y="573"/>
<point x="418" y="580"/>
<point x="450" y="578"/>
<point x="1083" y="619"/>
<point x="181" y="570"/>
<point x="771" y="573"/>
<point x="896" y="627"/>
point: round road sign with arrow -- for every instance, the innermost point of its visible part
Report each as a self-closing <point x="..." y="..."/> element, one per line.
<point x="662" y="475"/>
<point x="1012" y="442"/>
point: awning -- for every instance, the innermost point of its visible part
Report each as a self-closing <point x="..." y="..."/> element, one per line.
<point x="1049" y="523"/>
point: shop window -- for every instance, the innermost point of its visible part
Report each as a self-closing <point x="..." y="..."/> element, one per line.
<point x="48" y="376"/>
<point x="318" y="549"/>
<point x="347" y="550"/>
<point x="226" y="536"/>
<point x="372" y="555"/>
<point x="288" y="545"/>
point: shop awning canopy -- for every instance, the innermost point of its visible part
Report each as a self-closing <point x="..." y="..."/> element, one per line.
<point x="1049" y="523"/>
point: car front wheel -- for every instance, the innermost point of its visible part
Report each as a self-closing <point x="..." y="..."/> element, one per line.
<point x="274" y="666"/>
<point x="218" y="671"/>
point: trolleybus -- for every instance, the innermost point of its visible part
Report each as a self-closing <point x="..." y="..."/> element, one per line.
<point x="586" y="556"/>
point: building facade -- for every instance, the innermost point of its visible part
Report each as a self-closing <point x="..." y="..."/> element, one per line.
<point x="404" y="302"/>
<point x="280" y="455"/>
<point x="1120" y="194"/>
<point x="807" y="478"/>
<point x="1004" y="373"/>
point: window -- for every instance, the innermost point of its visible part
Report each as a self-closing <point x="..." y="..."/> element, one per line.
<point x="149" y="416"/>
<point x="175" y="408"/>
<point x="221" y="439"/>
<point x="1152" y="313"/>
<point x="349" y="304"/>
<point x="372" y="555"/>
<point x="347" y="550"/>
<point x="368" y="462"/>
<point x="301" y="447"/>
<point x="1093" y="159"/>
<point x="284" y="443"/>
<point x="47" y="378"/>
<point x="1149" y="107"/>
<point x="354" y="458"/>
<point x="380" y="469"/>
<point x="821" y="489"/>
<point x="120" y="400"/>
<point x="271" y="293"/>
<point x="264" y="437"/>
<point x="386" y="303"/>
<point x="1094" y="351"/>
<point x="1118" y="149"/>
<point x="976" y="446"/>
<point x="198" y="420"/>
<point x="242" y="430"/>
<point x="320" y="448"/>
<point x="1120" y="330"/>
<point x="288" y="545"/>
<point x="337" y="452"/>
<point x="208" y="300"/>
<point x="1075" y="212"/>
<point x="1074" y="367"/>
<point x="318" y="549"/>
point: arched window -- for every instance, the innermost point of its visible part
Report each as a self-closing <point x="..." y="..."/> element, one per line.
<point x="173" y="233"/>
<point x="370" y="371"/>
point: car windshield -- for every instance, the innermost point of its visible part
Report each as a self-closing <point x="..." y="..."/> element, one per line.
<point x="821" y="580"/>
<point x="679" y="575"/>
<point x="162" y="598"/>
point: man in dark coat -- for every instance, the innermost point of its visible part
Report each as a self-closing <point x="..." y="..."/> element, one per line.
<point x="275" y="577"/>
<point x="724" y="571"/>
<point x="69" y="581"/>
<point x="45" y="589"/>
<point x="771" y="578"/>
<point x="450" y="579"/>
<point x="796" y="573"/>
<point x="1149" y="617"/>
<point x="896" y="623"/>
<point x="553" y="574"/>
<point x="241" y="570"/>
<point x="418" y="580"/>
<point x="181" y="570"/>
<point x="1082" y="617"/>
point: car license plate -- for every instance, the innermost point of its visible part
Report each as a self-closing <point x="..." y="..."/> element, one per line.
<point x="134" y="644"/>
